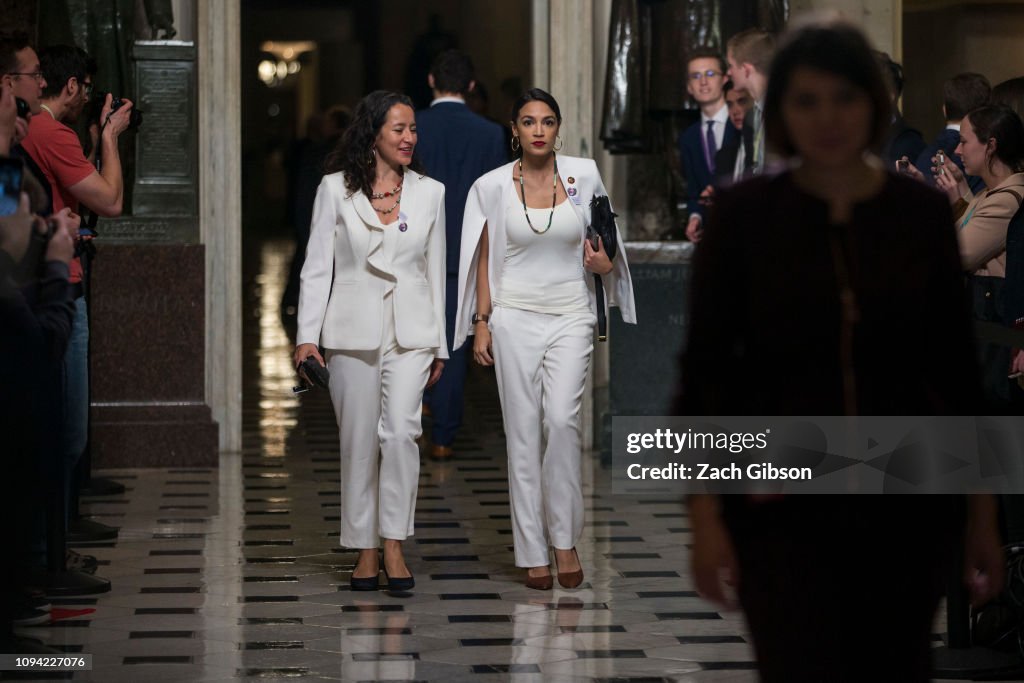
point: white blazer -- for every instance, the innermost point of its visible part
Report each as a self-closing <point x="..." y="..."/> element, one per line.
<point x="486" y="205"/>
<point x="346" y="274"/>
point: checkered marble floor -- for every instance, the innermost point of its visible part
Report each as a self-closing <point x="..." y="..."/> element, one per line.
<point x="234" y="573"/>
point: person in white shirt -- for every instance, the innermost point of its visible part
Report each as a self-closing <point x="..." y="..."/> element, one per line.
<point x="700" y="143"/>
<point x="749" y="54"/>
<point x="373" y="296"/>
<point x="525" y="294"/>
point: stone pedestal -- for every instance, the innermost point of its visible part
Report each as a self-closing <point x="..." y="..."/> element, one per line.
<point x="165" y="153"/>
<point x="147" y="349"/>
<point x="644" y="360"/>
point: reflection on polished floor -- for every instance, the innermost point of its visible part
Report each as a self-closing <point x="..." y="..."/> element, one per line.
<point x="234" y="573"/>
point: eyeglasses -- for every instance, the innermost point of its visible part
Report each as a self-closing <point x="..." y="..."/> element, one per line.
<point x="38" y="75"/>
<point x="701" y="75"/>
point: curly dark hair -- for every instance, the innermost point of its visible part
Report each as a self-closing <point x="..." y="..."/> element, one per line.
<point x="356" y="144"/>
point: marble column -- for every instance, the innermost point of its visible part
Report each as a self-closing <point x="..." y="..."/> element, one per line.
<point x="570" y="40"/>
<point x="220" y="210"/>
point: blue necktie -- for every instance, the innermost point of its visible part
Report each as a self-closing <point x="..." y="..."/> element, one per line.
<point x="709" y="147"/>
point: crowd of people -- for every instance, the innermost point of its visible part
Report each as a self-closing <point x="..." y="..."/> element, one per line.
<point x="828" y="308"/>
<point x="828" y="236"/>
<point x="46" y="245"/>
<point x="415" y="247"/>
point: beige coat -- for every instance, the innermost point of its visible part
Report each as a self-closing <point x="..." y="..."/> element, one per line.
<point x="983" y="227"/>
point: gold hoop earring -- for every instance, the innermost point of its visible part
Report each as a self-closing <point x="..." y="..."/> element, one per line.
<point x="514" y="144"/>
<point x="558" y="143"/>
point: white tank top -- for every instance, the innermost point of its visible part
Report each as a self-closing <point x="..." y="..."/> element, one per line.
<point x="543" y="272"/>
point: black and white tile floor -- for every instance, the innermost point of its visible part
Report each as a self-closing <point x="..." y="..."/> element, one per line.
<point x="234" y="574"/>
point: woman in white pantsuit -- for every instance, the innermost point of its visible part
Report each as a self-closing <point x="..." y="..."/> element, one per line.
<point x="526" y="295"/>
<point x="373" y="296"/>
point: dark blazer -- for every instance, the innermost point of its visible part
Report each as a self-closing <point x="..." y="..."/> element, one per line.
<point x="764" y="295"/>
<point x="695" y="167"/>
<point x="946" y="140"/>
<point x="1013" y="290"/>
<point x="456" y="147"/>
<point x="903" y="140"/>
<point x="725" y="160"/>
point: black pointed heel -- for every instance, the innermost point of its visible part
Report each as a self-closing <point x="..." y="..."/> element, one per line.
<point x="366" y="583"/>
<point x="400" y="585"/>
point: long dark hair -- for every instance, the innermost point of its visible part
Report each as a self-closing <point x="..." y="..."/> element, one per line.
<point x="354" y="154"/>
<point x="1001" y="123"/>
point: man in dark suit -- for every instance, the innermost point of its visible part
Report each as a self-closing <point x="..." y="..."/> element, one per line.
<point x="902" y="140"/>
<point x="699" y="144"/>
<point x="739" y="103"/>
<point x="960" y="95"/>
<point x="456" y="147"/>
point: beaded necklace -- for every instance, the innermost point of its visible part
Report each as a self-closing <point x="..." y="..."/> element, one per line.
<point x="554" y="195"/>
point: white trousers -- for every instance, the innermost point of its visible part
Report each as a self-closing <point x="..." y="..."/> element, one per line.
<point x="377" y="398"/>
<point x="541" y="362"/>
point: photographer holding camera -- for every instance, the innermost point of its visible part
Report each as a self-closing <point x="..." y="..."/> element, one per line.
<point x="74" y="182"/>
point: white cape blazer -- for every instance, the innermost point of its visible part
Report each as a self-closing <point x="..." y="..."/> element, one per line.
<point x="486" y="205"/>
<point x="346" y="275"/>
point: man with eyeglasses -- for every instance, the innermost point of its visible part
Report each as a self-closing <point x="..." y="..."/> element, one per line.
<point x="20" y="71"/>
<point x="699" y="143"/>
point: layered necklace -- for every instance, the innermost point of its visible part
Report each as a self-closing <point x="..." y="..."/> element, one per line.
<point x="384" y="195"/>
<point x="554" y="195"/>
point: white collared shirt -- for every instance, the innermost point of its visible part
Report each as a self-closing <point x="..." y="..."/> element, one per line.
<point x="953" y="126"/>
<point x="448" y="98"/>
<point x="720" y="119"/>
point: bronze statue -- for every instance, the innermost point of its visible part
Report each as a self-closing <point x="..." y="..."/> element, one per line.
<point x="160" y="15"/>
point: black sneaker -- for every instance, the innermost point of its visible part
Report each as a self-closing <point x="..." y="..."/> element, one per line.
<point x="38" y="600"/>
<point x="29" y="616"/>
<point x="77" y="562"/>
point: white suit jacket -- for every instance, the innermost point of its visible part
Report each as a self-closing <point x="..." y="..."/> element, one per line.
<point x="486" y="204"/>
<point x="346" y="274"/>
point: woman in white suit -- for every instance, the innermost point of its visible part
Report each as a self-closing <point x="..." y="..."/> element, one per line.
<point x="372" y="296"/>
<point x="526" y="296"/>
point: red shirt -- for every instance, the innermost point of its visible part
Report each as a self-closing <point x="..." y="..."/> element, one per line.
<point x="57" y="151"/>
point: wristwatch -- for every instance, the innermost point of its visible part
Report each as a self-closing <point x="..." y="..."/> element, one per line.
<point x="480" y="318"/>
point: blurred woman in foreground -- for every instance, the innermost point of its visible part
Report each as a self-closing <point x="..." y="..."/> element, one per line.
<point x="821" y="280"/>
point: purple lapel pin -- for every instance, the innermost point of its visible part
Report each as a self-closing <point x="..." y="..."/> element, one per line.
<point x="402" y="225"/>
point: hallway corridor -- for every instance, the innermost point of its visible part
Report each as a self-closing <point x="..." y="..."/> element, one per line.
<point x="234" y="573"/>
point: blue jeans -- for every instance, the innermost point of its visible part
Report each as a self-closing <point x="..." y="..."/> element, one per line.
<point x="76" y="395"/>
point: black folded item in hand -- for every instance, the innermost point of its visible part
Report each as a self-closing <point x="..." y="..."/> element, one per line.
<point x="602" y="224"/>
<point x="314" y="372"/>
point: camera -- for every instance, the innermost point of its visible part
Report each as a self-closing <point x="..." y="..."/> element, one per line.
<point x="96" y="110"/>
<point x="23" y="109"/>
<point x="29" y="268"/>
<point x="134" y="118"/>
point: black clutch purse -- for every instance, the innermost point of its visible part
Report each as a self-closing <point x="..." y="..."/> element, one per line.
<point x="312" y="374"/>
<point x="602" y="224"/>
